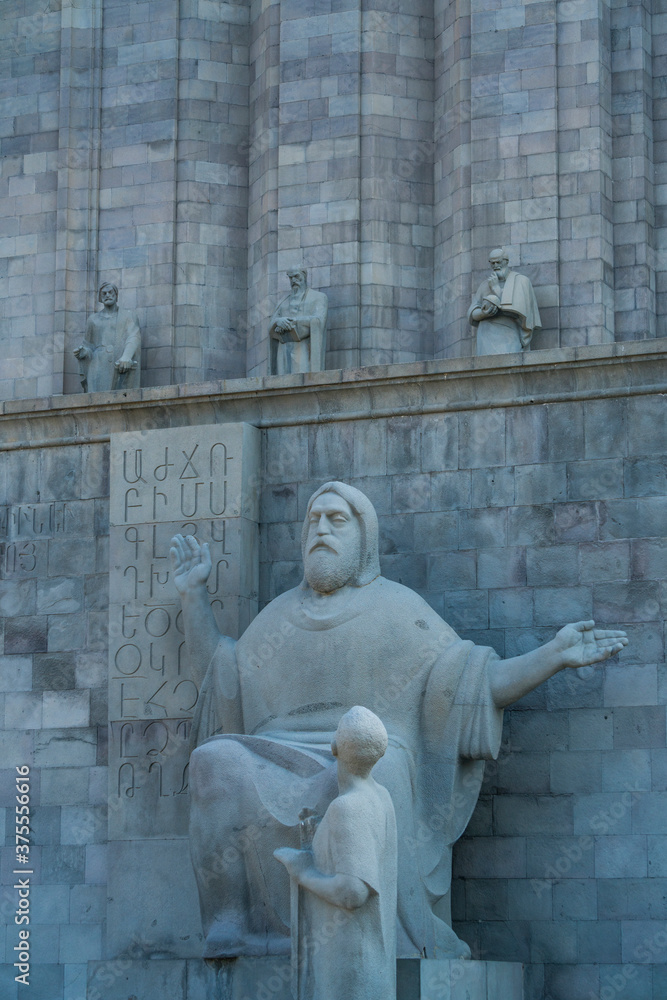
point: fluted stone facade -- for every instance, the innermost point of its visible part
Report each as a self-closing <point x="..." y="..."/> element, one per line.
<point x="193" y="151"/>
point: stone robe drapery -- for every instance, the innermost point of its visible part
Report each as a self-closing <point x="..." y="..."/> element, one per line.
<point x="511" y="329"/>
<point x="307" y="352"/>
<point x="288" y="680"/>
<point x="108" y="338"/>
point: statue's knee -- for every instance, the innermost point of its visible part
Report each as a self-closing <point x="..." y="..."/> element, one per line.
<point x="214" y="767"/>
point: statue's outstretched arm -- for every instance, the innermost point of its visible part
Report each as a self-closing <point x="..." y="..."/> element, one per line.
<point x="577" y="645"/>
<point x="192" y="565"/>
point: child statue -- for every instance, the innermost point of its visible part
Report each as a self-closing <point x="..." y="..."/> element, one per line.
<point x="346" y="883"/>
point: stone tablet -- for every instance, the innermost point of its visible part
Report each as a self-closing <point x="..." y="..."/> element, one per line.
<point x="201" y="481"/>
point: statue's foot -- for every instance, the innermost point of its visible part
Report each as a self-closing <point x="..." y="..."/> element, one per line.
<point x="225" y="940"/>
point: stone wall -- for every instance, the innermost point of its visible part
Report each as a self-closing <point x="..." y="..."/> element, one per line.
<point x="191" y="152"/>
<point x="515" y="495"/>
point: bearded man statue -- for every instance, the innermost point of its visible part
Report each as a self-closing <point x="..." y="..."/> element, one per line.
<point x="270" y="703"/>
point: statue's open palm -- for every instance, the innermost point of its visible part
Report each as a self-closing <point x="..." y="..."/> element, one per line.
<point x="582" y="644"/>
<point x="191" y="562"/>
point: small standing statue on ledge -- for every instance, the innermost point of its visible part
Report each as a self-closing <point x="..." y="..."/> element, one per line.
<point x="298" y="328"/>
<point x="109" y="358"/>
<point x="346" y="882"/>
<point x="504" y="309"/>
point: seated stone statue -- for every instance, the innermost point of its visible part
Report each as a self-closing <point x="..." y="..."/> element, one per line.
<point x="270" y="703"/>
<point x="349" y="878"/>
<point x="298" y="329"/>
<point x="504" y="309"/>
<point x="110" y="356"/>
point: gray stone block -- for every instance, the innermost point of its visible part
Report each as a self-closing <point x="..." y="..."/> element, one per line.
<point x="481" y="439"/>
<point x="493" y="487"/>
<point x="621" y="857"/>
<point x="436" y="530"/>
<point x="530" y="525"/>
<point x="491" y="857"/>
<point x="540" y="484"/>
<point x="573" y="980"/>
<point x="602" y="561"/>
<point x="557" y="564"/>
<point x="501" y="567"/>
<point x="452" y="571"/>
<point x="534" y="732"/>
<point x="450" y="490"/>
<point x="118" y="980"/>
<point x="605" y="428"/>
<point x="486" y="899"/>
<point x="649" y="559"/>
<point x="54" y="671"/>
<point x="410" y="494"/>
<point x="646" y="425"/>
<point x="576" y="771"/>
<point x="645" y="477"/>
<point x="590" y="729"/>
<point x="553" y="941"/>
<point x="439" y="443"/>
<point x="576" y="522"/>
<point x="576" y="900"/>
<point x="483" y="528"/>
<point x="595" y="480"/>
<point x="626" y="518"/>
<point x="403" y="445"/>
<point x="626" y="685"/>
<point x="559" y="605"/>
<point x="526" y="435"/>
<point x="65" y="748"/>
<point x="15" y="673"/>
<point x="523" y="816"/>
<point x="639" y="728"/>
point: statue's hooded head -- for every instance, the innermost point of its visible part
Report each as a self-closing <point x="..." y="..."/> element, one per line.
<point x="352" y="557"/>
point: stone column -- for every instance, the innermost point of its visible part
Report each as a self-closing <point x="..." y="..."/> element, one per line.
<point x="634" y="213"/>
<point x="586" y="239"/>
<point x="396" y="174"/>
<point x="264" y="94"/>
<point x="210" y="253"/>
<point x="452" y="268"/>
<point x="318" y="182"/>
<point x="77" y="213"/>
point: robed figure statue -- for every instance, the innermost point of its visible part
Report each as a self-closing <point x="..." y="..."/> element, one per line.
<point x="270" y="703"/>
<point x="298" y="331"/>
<point x="110" y="356"/>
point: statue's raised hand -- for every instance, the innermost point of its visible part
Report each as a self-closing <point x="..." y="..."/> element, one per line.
<point x="191" y="562"/>
<point x="581" y="644"/>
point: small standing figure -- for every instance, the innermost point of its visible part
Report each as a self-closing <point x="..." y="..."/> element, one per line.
<point x="347" y="921"/>
<point x="109" y="358"/>
<point x="504" y="309"/>
<point x="298" y="328"/>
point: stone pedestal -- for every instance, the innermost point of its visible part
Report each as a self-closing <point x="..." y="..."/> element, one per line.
<point x="456" y="979"/>
<point x="270" y="978"/>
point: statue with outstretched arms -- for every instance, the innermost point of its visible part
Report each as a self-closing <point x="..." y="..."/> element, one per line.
<point x="270" y="703"/>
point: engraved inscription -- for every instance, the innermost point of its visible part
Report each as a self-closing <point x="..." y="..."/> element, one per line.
<point x="165" y="482"/>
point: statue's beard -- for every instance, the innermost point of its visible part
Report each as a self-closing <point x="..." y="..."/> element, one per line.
<point x="327" y="570"/>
